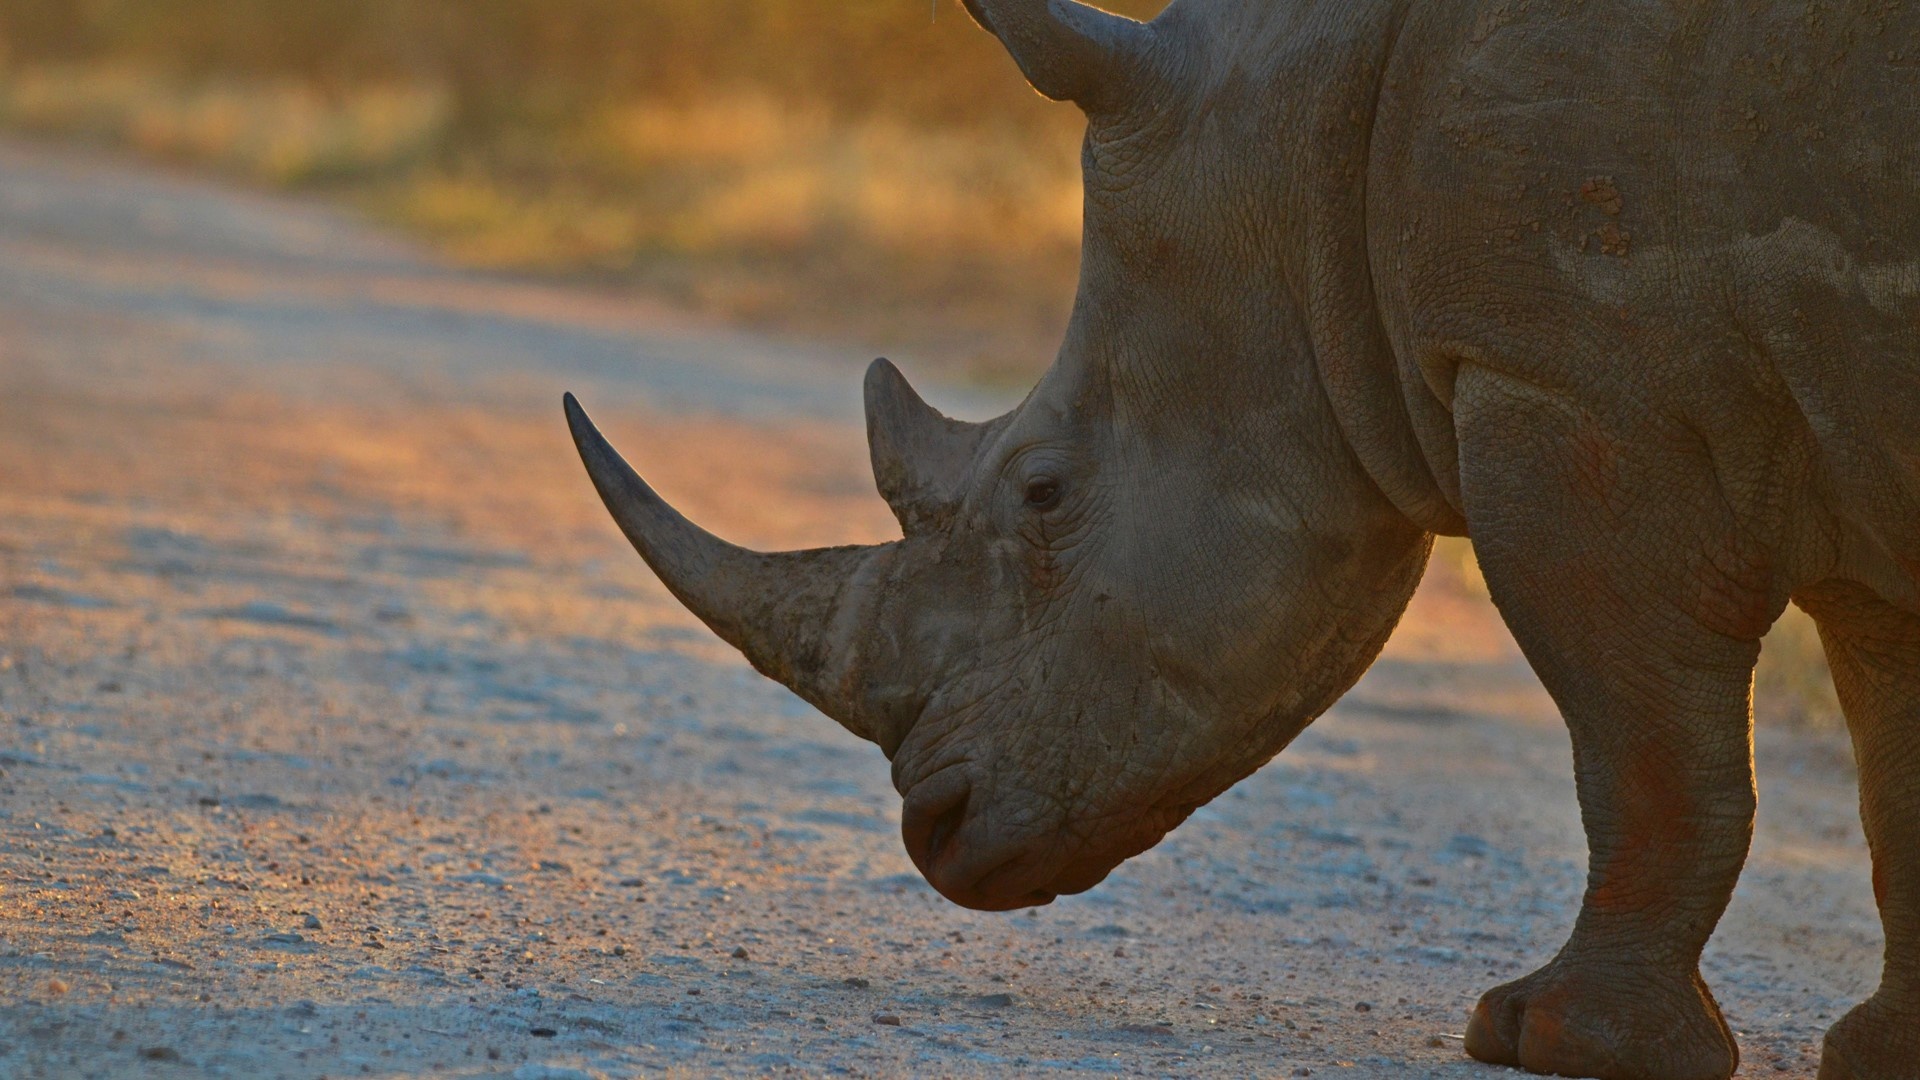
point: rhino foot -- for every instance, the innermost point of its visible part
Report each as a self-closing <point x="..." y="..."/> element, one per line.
<point x="1873" y="1042"/>
<point x="1569" y="1019"/>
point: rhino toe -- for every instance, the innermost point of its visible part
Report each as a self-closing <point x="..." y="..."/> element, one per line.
<point x="1873" y="1042"/>
<point x="1569" y="1020"/>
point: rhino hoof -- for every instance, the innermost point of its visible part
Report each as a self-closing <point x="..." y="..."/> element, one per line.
<point x="1873" y="1042"/>
<point x="1569" y="1020"/>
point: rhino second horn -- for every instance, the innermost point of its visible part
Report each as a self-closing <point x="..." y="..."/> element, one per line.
<point x="1069" y="51"/>
<point x="922" y="460"/>
<point x="793" y="614"/>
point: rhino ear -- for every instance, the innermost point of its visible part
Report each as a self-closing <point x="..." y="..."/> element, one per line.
<point x="921" y="458"/>
<point x="1068" y="50"/>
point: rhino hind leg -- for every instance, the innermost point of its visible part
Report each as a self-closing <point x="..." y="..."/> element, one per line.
<point x="1645" y="628"/>
<point x="1874" y="650"/>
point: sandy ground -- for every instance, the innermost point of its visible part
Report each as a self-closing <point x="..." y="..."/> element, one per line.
<point x="341" y="736"/>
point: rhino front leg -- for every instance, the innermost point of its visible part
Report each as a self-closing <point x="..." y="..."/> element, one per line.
<point x="1600" y="544"/>
<point x="1874" y="650"/>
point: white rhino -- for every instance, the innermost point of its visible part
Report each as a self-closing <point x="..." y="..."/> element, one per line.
<point x="1627" y="292"/>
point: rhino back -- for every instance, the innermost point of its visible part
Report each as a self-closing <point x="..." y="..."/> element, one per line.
<point x="1700" y="210"/>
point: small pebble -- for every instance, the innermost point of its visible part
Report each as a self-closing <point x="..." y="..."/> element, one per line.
<point x="857" y="983"/>
<point x="1363" y="1007"/>
<point x="886" y="1019"/>
<point x="56" y="987"/>
<point x="542" y="1033"/>
<point x="740" y="953"/>
<point x="313" y="921"/>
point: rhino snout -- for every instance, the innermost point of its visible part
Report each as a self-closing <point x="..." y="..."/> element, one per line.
<point x="961" y="838"/>
<point x="954" y="846"/>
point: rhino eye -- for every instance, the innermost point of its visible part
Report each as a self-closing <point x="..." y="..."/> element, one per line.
<point x="1043" y="492"/>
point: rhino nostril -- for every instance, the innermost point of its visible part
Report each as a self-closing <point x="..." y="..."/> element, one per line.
<point x="945" y="825"/>
<point x="932" y="817"/>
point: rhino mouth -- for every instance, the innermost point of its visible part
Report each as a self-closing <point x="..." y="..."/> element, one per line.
<point x="973" y="870"/>
<point x="966" y="852"/>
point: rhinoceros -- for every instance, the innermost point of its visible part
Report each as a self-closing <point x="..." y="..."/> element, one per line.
<point x="1628" y="293"/>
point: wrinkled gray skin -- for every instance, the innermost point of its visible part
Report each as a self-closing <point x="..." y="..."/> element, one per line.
<point x="1628" y="292"/>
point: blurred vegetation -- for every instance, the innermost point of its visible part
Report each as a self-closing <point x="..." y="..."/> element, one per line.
<point x="859" y="167"/>
<point x="1793" y="685"/>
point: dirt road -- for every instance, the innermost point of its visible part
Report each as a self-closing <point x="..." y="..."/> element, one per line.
<point x="341" y="736"/>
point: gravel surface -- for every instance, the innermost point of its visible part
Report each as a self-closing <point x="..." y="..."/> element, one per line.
<point x="341" y="736"/>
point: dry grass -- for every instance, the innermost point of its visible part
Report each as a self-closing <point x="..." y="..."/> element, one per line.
<point x="747" y="174"/>
<point x="279" y="132"/>
<point x="1793" y="685"/>
<point x="746" y="177"/>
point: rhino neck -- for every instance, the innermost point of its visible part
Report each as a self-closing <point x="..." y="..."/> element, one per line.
<point x="1280" y="101"/>
<point x="1335" y="59"/>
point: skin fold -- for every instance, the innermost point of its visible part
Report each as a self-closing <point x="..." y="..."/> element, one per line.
<point x="1628" y="293"/>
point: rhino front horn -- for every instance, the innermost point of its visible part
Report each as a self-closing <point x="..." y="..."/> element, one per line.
<point x="1069" y="51"/>
<point x="794" y="614"/>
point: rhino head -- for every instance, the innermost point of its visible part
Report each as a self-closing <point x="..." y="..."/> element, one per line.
<point x="1130" y="592"/>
